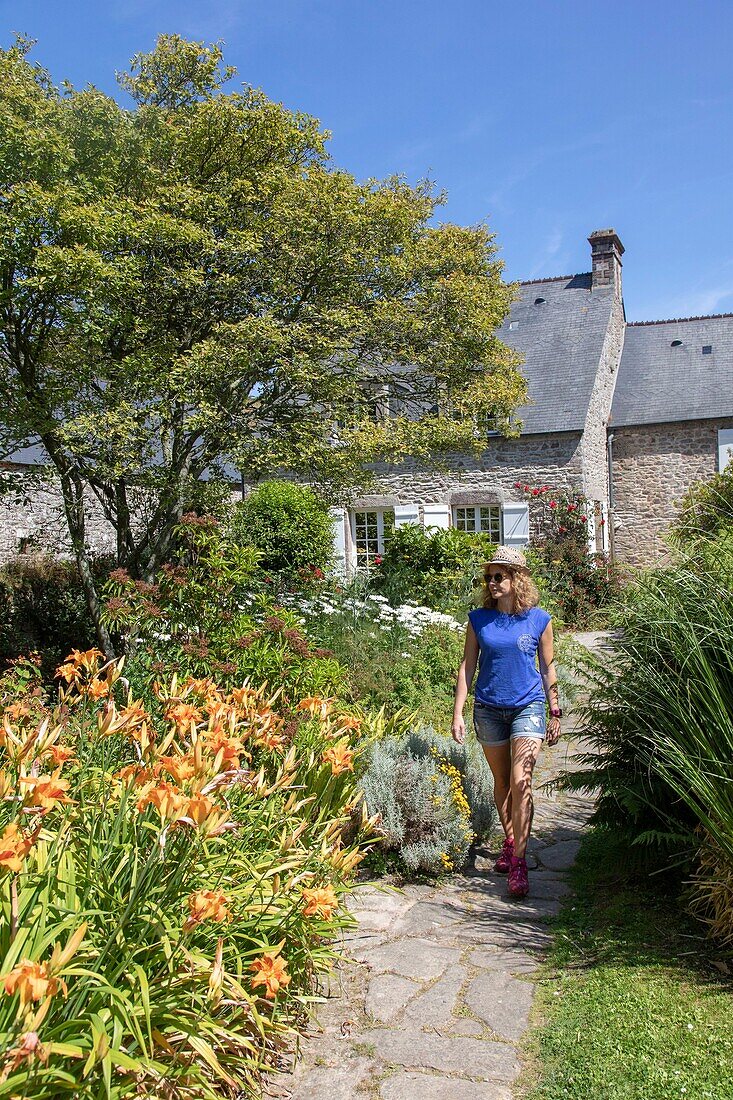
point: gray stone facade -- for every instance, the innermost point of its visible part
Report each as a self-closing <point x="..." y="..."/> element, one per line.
<point x="38" y="524"/>
<point x="653" y="467"/>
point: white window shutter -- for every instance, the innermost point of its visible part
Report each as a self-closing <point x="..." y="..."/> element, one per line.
<point x="338" y="517"/>
<point x="406" y="513"/>
<point x="725" y="448"/>
<point x="515" y="521"/>
<point x="436" y="515"/>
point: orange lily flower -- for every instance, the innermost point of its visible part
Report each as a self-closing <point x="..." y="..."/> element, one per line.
<point x="340" y="757"/>
<point x="46" y="791"/>
<point x="206" y="905"/>
<point x="167" y="799"/>
<point x="32" y="981"/>
<point x="97" y="689"/>
<point x="200" y="808"/>
<point x="14" y="847"/>
<point x="183" y="715"/>
<point x="316" y="706"/>
<point x="60" y="754"/>
<point x="269" y="970"/>
<point x="320" y="902"/>
<point x="69" y="672"/>
<point x="180" y="767"/>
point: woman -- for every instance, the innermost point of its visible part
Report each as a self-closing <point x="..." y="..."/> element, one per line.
<point x="504" y="637"/>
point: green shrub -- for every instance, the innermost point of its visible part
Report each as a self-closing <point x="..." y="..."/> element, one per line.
<point x="437" y="567"/>
<point x="42" y="608"/>
<point x="578" y="588"/>
<point x="397" y="657"/>
<point x="288" y="524"/>
<point x="432" y="797"/>
<point x="210" y="612"/>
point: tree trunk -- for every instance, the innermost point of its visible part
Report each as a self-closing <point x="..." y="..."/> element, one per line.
<point x="73" y="493"/>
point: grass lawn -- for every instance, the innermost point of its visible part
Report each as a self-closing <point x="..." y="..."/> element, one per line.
<point x="631" y="1005"/>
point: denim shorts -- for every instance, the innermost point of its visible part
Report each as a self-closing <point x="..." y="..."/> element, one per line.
<point x="500" y="725"/>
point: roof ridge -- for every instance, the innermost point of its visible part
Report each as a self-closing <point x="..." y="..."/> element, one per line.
<point x="677" y="320"/>
<point x="553" y="278"/>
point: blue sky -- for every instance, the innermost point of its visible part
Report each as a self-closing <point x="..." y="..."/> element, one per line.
<point x="544" y="118"/>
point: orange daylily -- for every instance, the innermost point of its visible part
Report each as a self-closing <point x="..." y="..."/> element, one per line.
<point x="316" y="706"/>
<point x="69" y="672"/>
<point x="270" y="970"/>
<point x="206" y="905"/>
<point x="183" y="714"/>
<point x="340" y="757"/>
<point x="320" y="902"/>
<point x="348" y="722"/>
<point x="180" y="767"/>
<point x="16" y="711"/>
<point x="46" y="791"/>
<point x="167" y="799"/>
<point x="14" y="847"/>
<point x="97" y="689"/>
<point x="60" y="754"/>
<point x="32" y="981"/>
<point x="200" y="808"/>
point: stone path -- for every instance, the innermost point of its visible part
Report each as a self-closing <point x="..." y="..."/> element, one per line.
<point x="436" y="995"/>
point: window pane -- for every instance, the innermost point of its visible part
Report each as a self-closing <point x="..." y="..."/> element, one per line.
<point x="490" y="521"/>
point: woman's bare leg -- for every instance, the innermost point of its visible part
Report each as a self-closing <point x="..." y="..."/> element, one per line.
<point x="524" y="753"/>
<point x="499" y="759"/>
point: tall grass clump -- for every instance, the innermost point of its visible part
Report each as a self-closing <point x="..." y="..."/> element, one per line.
<point x="659" y="720"/>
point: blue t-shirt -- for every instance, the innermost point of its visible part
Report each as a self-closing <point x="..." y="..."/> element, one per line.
<point x="507" y="670"/>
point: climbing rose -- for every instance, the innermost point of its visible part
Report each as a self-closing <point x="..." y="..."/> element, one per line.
<point x="553" y="504"/>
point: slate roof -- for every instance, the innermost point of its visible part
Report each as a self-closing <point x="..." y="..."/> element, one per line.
<point x="561" y="339"/>
<point x="658" y="383"/>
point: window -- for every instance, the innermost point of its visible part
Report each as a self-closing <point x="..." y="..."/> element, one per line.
<point x="369" y="530"/>
<point x="676" y="344"/>
<point x="707" y="349"/>
<point x="479" y="517"/>
<point x="539" y="301"/>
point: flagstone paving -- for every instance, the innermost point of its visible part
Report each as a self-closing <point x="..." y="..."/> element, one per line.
<point x="435" y="996"/>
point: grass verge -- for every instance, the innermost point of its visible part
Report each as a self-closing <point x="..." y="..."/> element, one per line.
<point x="631" y="1003"/>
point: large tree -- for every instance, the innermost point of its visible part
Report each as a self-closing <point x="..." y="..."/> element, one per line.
<point x="189" y="281"/>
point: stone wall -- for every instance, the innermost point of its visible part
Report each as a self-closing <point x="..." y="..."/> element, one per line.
<point x="39" y="523"/>
<point x="653" y="467"/>
<point x="553" y="460"/>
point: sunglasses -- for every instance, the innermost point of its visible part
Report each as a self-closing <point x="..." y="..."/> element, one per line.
<point x="497" y="578"/>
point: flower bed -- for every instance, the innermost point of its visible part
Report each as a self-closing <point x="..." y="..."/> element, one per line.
<point x="172" y="874"/>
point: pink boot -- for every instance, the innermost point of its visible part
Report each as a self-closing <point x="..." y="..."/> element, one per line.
<point x="518" y="878"/>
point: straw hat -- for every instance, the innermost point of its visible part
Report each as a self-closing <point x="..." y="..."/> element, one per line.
<point x="508" y="556"/>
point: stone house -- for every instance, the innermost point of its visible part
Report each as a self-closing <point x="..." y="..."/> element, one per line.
<point x="630" y="414"/>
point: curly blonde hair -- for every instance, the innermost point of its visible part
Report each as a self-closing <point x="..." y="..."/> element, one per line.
<point x="525" y="591"/>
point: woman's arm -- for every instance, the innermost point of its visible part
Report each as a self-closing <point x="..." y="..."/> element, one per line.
<point x="463" y="683"/>
<point x="549" y="679"/>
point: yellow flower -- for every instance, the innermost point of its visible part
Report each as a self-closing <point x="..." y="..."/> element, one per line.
<point x="320" y="902"/>
<point x="206" y="905"/>
<point x="269" y="970"/>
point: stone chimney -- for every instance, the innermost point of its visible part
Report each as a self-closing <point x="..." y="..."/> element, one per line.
<point x="606" y="251"/>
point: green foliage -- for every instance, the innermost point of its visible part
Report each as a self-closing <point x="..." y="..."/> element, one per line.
<point x="288" y="524"/>
<point x="210" y="611"/>
<point x="660" y="715"/>
<point x="42" y="608"/>
<point x="579" y="587"/>
<point x="437" y="567"/>
<point x="197" y="284"/>
<point x="707" y="509"/>
<point x="432" y="797"/>
<point x="396" y="657"/>
<point x="630" y="1004"/>
<point x="176" y="853"/>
